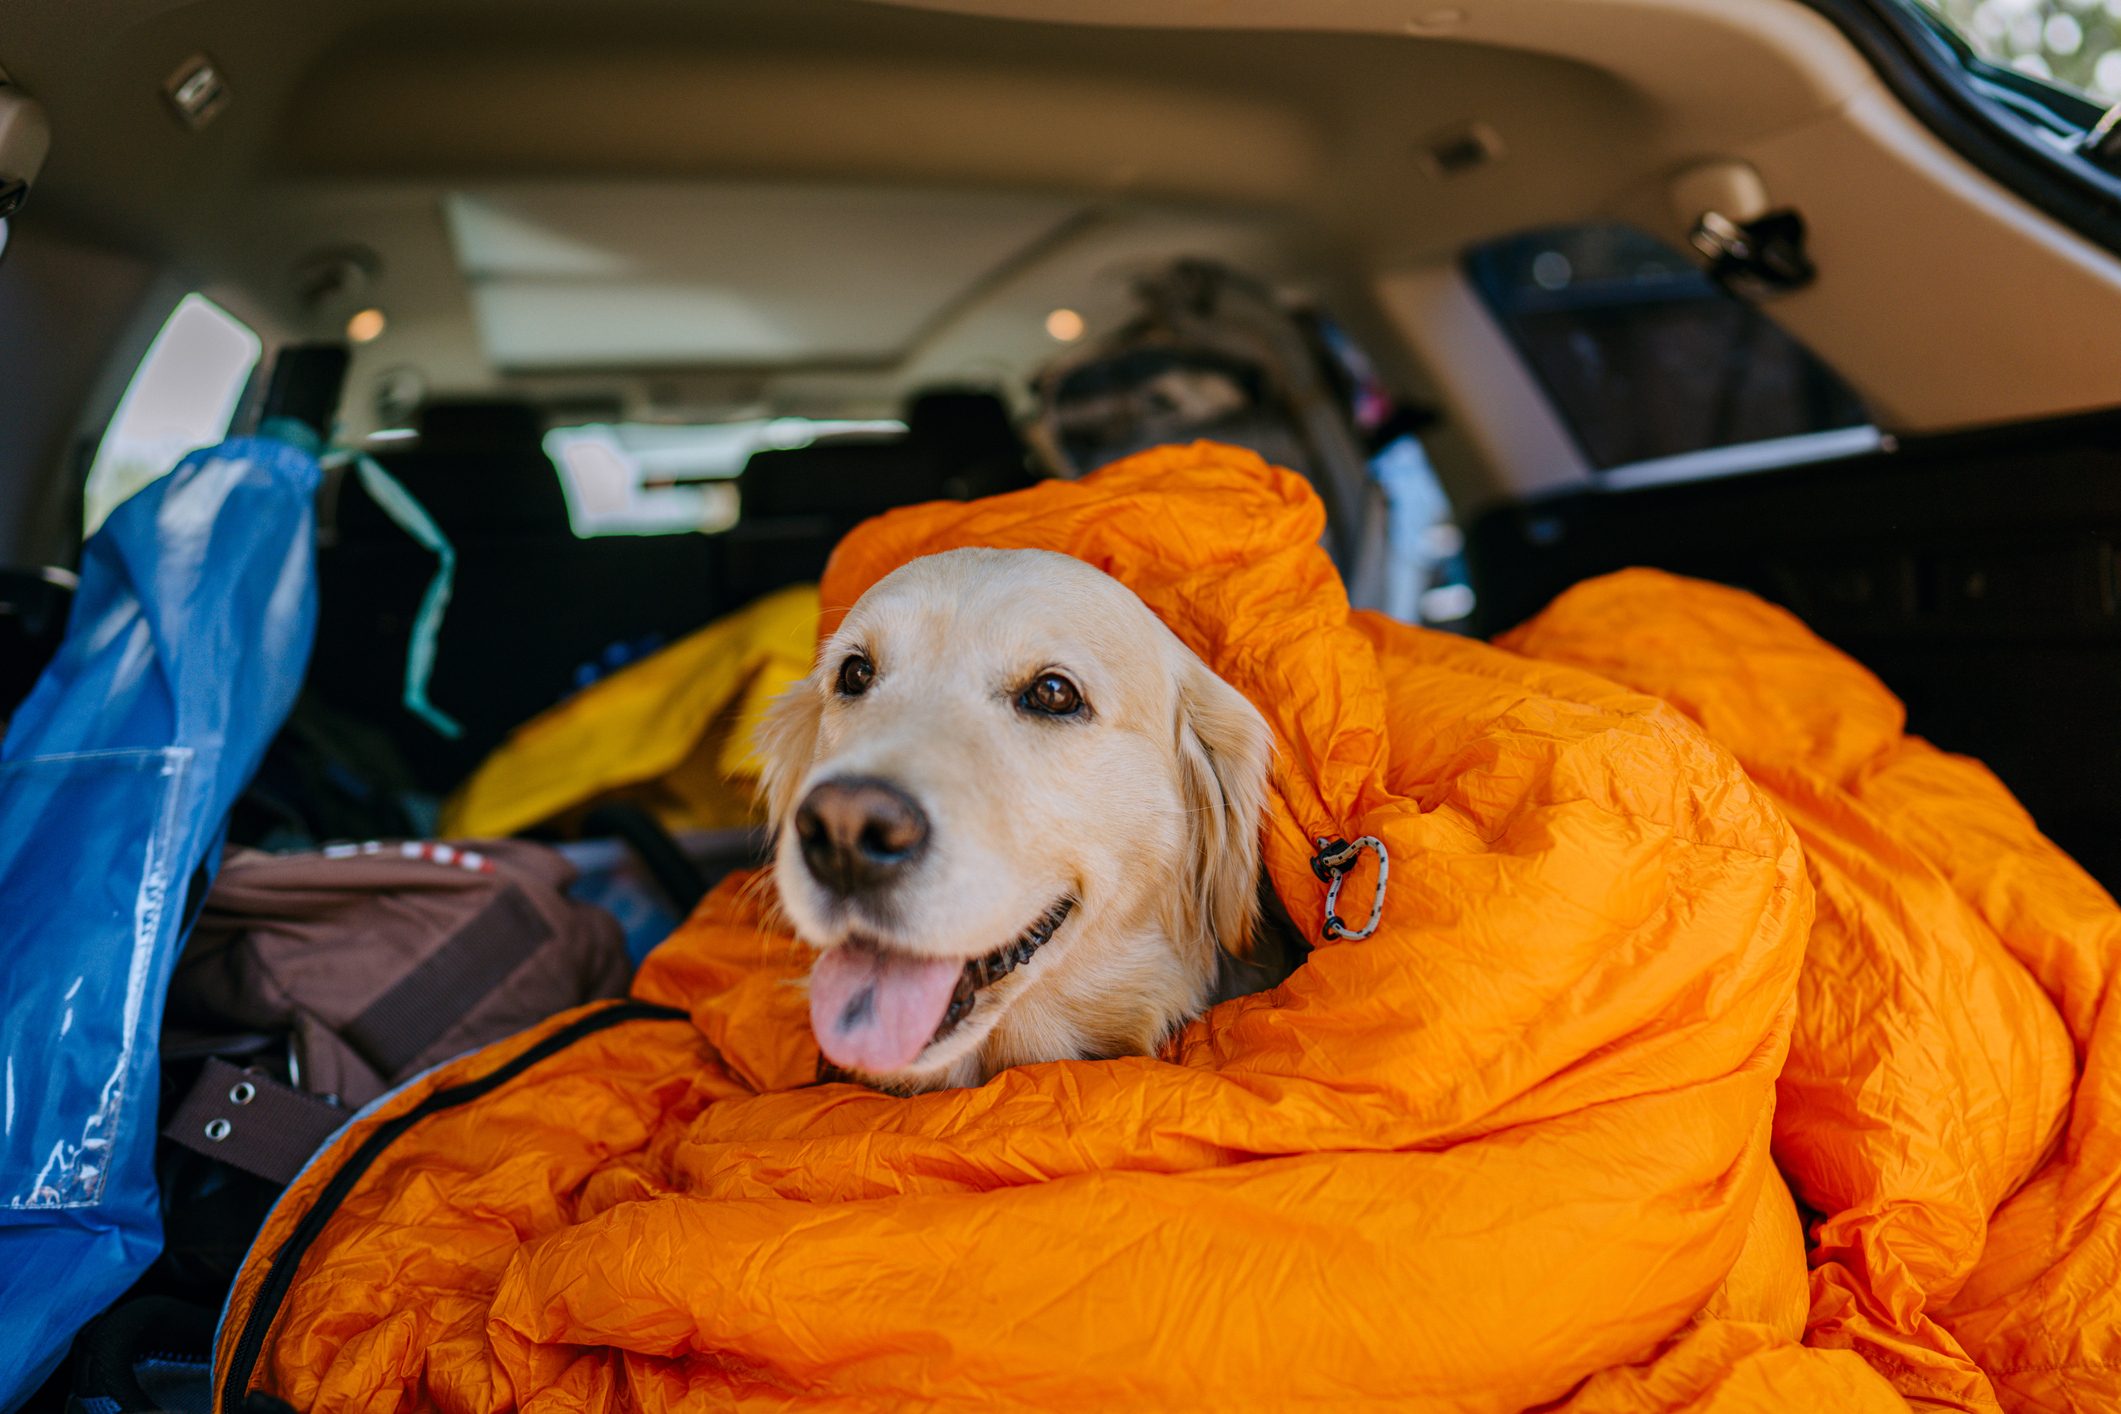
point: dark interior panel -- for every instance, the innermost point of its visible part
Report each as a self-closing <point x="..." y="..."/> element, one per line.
<point x="1975" y="573"/>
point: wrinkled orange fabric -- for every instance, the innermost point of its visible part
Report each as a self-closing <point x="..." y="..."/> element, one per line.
<point x="1512" y="1150"/>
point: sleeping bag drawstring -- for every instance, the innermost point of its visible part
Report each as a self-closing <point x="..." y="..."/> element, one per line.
<point x="405" y="511"/>
<point x="1332" y="863"/>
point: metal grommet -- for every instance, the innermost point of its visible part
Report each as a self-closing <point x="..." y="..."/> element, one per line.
<point x="242" y="1093"/>
<point x="219" y="1129"/>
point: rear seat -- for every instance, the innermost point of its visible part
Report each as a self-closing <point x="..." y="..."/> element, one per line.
<point x="796" y="504"/>
<point x="533" y="603"/>
<point x="479" y="468"/>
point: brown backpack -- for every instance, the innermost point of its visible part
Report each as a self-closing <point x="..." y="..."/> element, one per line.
<point x="315" y="982"/>
<point x="311" y="984"/>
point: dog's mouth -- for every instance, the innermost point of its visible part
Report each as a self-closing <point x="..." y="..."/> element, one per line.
<point x="875" y="1009"/>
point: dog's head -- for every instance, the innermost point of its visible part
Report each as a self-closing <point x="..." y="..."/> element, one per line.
<point x="1015" y="815"/>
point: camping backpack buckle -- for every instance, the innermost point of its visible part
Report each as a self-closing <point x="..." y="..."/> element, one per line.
<point x="1334" y="859"/>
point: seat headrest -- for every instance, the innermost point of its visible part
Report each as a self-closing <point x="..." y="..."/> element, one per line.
<point x="959" y="443"/>
<point x="484" y="429"/>
<point x="479" y="468"/>
<point x="838" y="479"/>
<point x="962" y="423"/>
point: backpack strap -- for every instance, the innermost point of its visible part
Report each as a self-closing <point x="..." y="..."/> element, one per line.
<point x="253" y="1122"/>
<point x="395" y="1029"/>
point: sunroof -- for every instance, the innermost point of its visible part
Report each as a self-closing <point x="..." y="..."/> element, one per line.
<point x="588" y="275"/>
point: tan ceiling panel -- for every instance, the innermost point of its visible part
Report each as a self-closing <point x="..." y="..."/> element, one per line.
<point x="692" y="114"/>
<point x="1729" y="69"/>
<point x="603" y="274"/>
<point x="1298" y="127"/>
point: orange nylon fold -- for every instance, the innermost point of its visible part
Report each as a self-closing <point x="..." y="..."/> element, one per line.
<point x="1512" y="1150"/>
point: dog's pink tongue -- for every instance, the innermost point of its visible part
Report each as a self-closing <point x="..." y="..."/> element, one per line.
<point x="873" y="1010"/>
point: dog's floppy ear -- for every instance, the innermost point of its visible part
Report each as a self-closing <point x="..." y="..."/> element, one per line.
<point x="1224" y="748"/>
<point x="786" y="741"/>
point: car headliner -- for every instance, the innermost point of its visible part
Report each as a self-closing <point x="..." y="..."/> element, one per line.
<point x="1076" y="142"/>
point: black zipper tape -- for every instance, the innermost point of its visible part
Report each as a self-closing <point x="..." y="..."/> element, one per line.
<point x="280" y="1277"/>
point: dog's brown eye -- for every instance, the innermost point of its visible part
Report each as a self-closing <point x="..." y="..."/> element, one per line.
<point x="856" y="673"/>
<point x="1052" y="695"/>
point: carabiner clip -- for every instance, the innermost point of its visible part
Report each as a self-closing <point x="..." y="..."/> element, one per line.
<point x="1334" y="859"/>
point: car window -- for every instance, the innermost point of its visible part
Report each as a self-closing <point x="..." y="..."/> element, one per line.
<point x="182" y="397"/>
<point x="1644" y="356"/>
<point x="2073" y="42"/>
<point x="639" y="478"/>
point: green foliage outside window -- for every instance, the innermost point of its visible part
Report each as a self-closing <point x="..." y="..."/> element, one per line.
<point x="2075" y="42"/>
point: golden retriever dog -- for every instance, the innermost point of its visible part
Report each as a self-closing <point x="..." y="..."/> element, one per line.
<point x="1016" y="817"/>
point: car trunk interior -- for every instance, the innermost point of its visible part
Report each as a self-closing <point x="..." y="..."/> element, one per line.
<point x="669" y="214"/>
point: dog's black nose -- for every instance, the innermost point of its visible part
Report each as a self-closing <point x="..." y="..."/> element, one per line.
<point x="859" y="833"/>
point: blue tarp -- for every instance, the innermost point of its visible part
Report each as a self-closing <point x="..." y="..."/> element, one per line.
<point x="190" y="634"/>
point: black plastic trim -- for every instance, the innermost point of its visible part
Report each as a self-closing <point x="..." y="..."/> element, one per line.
<point x="280" y="1277"/>
<point x="1931" y="77"/>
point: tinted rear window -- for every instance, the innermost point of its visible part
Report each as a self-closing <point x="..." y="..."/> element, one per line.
<point x="1643" y="355"/>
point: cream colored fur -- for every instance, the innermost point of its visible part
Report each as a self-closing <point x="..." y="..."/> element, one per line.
<point x="1145" y="809"/>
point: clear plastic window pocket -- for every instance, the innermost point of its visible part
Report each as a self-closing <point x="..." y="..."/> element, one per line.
<point x="89" y="891"/>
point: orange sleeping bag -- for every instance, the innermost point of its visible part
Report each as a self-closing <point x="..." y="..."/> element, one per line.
<point x="1518" y="1147"/>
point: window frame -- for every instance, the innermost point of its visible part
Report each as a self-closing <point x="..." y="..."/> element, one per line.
<point x="1981" y="112"/>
